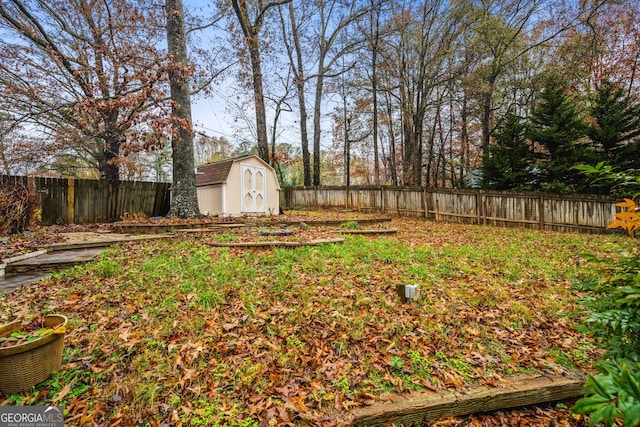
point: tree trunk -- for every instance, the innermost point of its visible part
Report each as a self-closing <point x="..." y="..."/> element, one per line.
<point x="299" y="81"/>
<point x="431" y="180"/>
<point x="392" y="145"/>
<point x="326" y="61"/>
<point x="407" y="127"/>
<point x="304" y="136"/>
<point x="250" y="32"/>
<point x="441" y="156"/>
<point x="374" y="88"/>
<point x="464" y="138"/>
<point x="107" y="165"/>
<point x="258" y="98"/>
<point x="184" y="199"/>
<point x="417" y="156"/>
<point x="316" y="127"/>
<point x="274" y="133"/>
<point x="347" y="146"/>
<point x="486" y="110"/>
<point x="485" y="121"/>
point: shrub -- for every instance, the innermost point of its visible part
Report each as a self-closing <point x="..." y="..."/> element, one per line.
<point x="613" y="307"/>
<point x="16" y="208"/>
<point x="612" y="395"/>
<point x="613" y="317"/>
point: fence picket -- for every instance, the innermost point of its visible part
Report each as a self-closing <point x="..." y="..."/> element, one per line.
<point x="530" y="210"/>
<point x="83" y="201"/>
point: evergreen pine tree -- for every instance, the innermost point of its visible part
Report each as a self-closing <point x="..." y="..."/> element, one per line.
<point x="616" y="126"/>
<point x="556" y="124"/>
<point x="507" y="164"/>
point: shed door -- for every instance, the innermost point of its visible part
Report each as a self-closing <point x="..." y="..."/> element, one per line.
<point x="253" y="188"/>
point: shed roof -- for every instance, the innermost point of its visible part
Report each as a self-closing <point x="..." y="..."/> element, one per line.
<point x="218" y="172"/>
<point x="214" y="173"/>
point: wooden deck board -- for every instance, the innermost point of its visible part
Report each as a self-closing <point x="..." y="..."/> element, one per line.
<point x="52" y="261"/>
<point x="12" y="282"/>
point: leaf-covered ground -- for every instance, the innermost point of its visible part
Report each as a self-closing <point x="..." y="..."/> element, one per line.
<point x="177" y="332"/>
<point x="39" y="236"/>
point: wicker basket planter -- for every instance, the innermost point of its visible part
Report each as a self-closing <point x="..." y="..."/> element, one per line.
<point x="25" y="365"/>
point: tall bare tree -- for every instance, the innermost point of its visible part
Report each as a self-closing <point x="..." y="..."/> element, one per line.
<point x="374" y="43"/>
<point x="296" y="61"/>
<point x="251" y="17"/>
<point x="425" y="44"/>
<point x="184" y="200"/>
<point x="334" y="18"/>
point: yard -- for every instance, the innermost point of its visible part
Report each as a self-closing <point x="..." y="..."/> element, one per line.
<point x="181" y="332"/>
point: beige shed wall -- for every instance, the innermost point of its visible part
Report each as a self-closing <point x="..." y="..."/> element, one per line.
<point x="233" y="191"/>
<point x="273" y="193"/>
<point x="210" y="199"/>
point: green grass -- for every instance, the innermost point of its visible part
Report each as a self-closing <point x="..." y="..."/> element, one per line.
<point x="210" y="334"/>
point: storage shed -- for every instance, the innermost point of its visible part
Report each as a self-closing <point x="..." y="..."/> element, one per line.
<point x="242" y="186"/>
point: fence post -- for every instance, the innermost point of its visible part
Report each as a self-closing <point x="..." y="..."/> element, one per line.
<point x="428" y="202"/>
<point x="484" y="210"/>
<point x="315" y="197"/>
<point x="346" y="201"/>
<point x="383" y="205"/>
<point x="71" y="200"/>
<point x="541" y="211"/>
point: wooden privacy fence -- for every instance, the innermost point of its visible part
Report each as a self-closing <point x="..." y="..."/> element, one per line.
<point x="531" y="210"/>
<point x="83" y="201"/>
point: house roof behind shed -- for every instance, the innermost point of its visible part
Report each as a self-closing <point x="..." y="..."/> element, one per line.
<point x="216" y="172"/>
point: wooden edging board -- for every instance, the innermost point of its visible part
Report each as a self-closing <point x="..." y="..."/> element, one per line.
<point x="151" y="228"/>
<point x="275" y="243"/>
<point x="23" y="256"/>
<point x="99" y="244"/>
<point x="312" y="222"/>
<point x="431" y="406"/>
<point x="381" y="231"/>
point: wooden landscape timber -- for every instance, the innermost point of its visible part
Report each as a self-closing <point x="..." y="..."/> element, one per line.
<point x="285" y="244"/>
<point x="361" y="221"/>
<point x="212" y="229"/>
<point x="432" y="406"/>
<point x="277" y="233"/>
<point x="158" y="228"/>
<point x="380" y="231"/>
<point x="227" y="226"/>
<point x="66" y="246"/>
